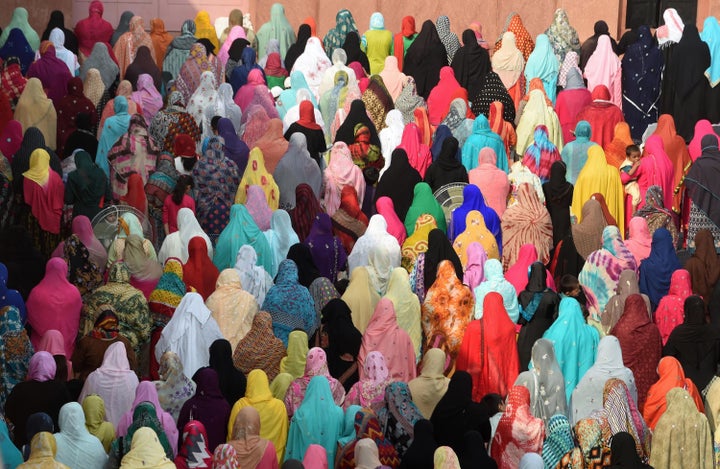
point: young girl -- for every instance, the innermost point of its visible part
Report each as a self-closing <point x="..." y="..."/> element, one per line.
<point x="177" y="200"/>
<point x="628" y="168"/>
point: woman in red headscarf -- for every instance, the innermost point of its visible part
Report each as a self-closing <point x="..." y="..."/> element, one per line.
<point x="93" y="29"/>
<point x="495" y="368"/>
<point x="602" y="115"/>
<point x="447" y="89"/>
<point x="349" y="221"/>
<point x="404" y="39"/>
<point x="199" y="271"/>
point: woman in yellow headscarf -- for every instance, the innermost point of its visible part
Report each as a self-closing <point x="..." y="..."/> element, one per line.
<point x="35" y="109"/>
<point x="94" y="409"/>
<point x="257" y="175"/>
<point x="42" y="453"/>
<point x="475" y="232"/>
<point x="361" y="298"/>
<point x="417" y="242"/>
<point x="297" y="350"/>
<point x="273" y="414"/>
<point x="205" y="30"/>
<point x="598" y="176"/>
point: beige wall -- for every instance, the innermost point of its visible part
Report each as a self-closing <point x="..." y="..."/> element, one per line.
<point x="536" y="14"/>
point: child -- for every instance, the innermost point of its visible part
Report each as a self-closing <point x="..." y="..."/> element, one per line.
<point x="629" y="167"/>
<point x="495" y="406"/>
<point x="570" y="286"/>
<point x="177" y="200"/>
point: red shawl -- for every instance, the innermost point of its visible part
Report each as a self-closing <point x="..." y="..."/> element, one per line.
<point x="199" y="272"/>
<point x="518" y="432"/>
<point x="495" y="368"/>
<point x="68" y="108"/>
<point x="418" y="153"/>
<point x="408" y="30"/>
<point x="602" y="116"/>
<point x="568" y="105"/>
<point x="443" y="94"/>
<point x="93" y="29"/>
<point x="46" y="201"/>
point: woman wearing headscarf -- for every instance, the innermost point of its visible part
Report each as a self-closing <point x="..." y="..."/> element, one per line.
<point x="148" y="449"/>
<point x="570" y="101"/>
<point x="366" y="426"/>
<point x="627" y="285"/>
<point x="146" y="392"/>
<point x="295" y="169"/>
<point x="496" y="282"/>
<point x="35" y="109"/>
<point x="328" y="252"/>
<point x="430" y="385"/>
<point x="574" y="341"/>
<point x="398" y="183"/>
<point x="518" y="431"/>
<point x="633" y="329"/>
<point x="173" y="388"/>
<point x="93" y="29"/>
<point x="545" y="382"/>
<point x="480" y="138"/>
<point x="476" y="231"/>
<point x="148" y="97"/>
<point x="703" y="266"/>
<point x="216" y="179"/>
<point x="562" y="35"/>
<point x="377" y="43"/>
<point x="599" y="177"/>
<point x="313" y="132"/>
<point x="694" y="343"/>
<point x="669" y="312"/>
<point x="496" y="367"/>
<point x="424" y="202"/>
<point x="676" y="152"/>
<point x="558" y="198"/>
<point x="90" y="350"/>
<point x="493" y="180"/>
<point x="335" y="37"/>
<point x="51" y="71"/>
<point x="68" y="110"/>
<point x="101" y="60"/>
<point x="420" y="453"/>
<point x="655" y="271"/>
<point x="143" y="63"/>
<point x="189" y="76"/>
<point x="94" y="409"/>
<point x="122" y="27"/>
<point x="575" y="153"/>
<point x="508" y="62"/>
<point x="602" y="114"/>
<point x="588" y="395"/>
<point x="42" y="451"/>
<point x="193" y="449"/>
<point x="341" y="171"/>
<point x="245" y="356"/>
<point x="543" y="64"/>
<point x="538" y="308"/>
<point x="671" y="375"/>
<point x="232" y="307"/>
<point x="134" y="152"/>
<point x="253" y="451"/>
<point x="681" y="422"/>
<point x="232" y="33"/>
<point x="15" y="359"/>
<point x="207" y="406"/>
<point x="526" y="222"/>
<point x="277" y="28"/>
<point x="537" y="111"/>
<point x="179" y="49"/>
<point x="240" y="75"/>
<point x="19" y="21"/>
<point x="127" y="45"/>
<point x="590" y="44"/>
<point x="18" y="55"/>
<point x="424" y="59"/>
<point x="603" y="67"/>
<point x="369" y="392"/>
<point x="470" y="63"/>
<point x="442" y="94"/>
<point x="343" y="342"/>
<point x="642" y="67"/>
<point x="349" y="222"/>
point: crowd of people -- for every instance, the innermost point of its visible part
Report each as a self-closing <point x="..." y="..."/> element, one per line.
<point x="358" y="250"/>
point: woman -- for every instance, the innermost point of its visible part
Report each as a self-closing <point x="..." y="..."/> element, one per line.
<point x="627" y="285"/>
<point x="587" y="396"/>
<point x="541" y="154"/>
<point x="493" y="180"/>
<point x="87" y="188"/>
<point x="496" y="282"/>
<point x="327" y="250"/>
<point x="431" y="385"/>
<point x="335" y="37"/>
<point x="570" y="101"/>
<point x="695" y="343"/>
<point x="575" y="343"/>
<point x="199" y="272"/>
<point x="538" y="309"/>
<point x="146" y="392"/>
<point x="277" y="28"/>
<point x="260" y="337"/>
<point x="480" y="138"/>
<point x="603" y="67"/>
<point x="43" y="192"/>
<point x="369" y="392"/>
<point x="681" y="422"/>
<point x="340" y="172"/>
<point x="316" y="365"/>
<point x="642" y="61"/>
<point x="470" y="63"/>
<point x="446" y="169"/>
<point x="193" y="446"/>
<point x="51" y="71"/>
<point x="367" y="425"/>
<point x="398" y="182"/>
<point x="509" y="62"/>
<point x="558" y="196"/>
<point x="496" y="367"/>
<point x="317" y="420"/>
<point x="542" y="63"/>
<point x="173" y="388"/>
<point x="42" y="452"/>
<point x="343" y="342"/>
<point x="447" y="89"/>
<point x="76" y="447"/>
<point x="349" y="222"/>
<point x="15" y="359"/>
<point x="242" y="230"/>
<point x="55" y="293"/>
<point x="68" y="107"/>
<point x="289" y="303"/>
<point x="621" y="414"/>
<point x="545" y="382"/>
<point x="662" y="262"/>
<point x="475" y="232"/>
<point x="598" y="176"/>
<point x="703" y="266"/>
<point x="641" y="344"/>
<point x="232" y="307"/>
<point x="602" y="269"/>
<point x="295" y="168"/>
<point x="252" y="450"/>
<point x="702" y="208"/>
<point x="144" y="64"/>
<point x="384" y="335"/>
<point x="179" y="49"/>
<point x="101" y="60"/>
<point x="127" y="45"/>
<point x="424" y="59"/>
<point x="671" y="375"/>
<point x="94" y="409"/>
<point x="669" y="313"/>
<point x="146" y="451"/>
<point x="526" y="222"/>
<point x="297" y="350"/>
<point x="114" y="381"/>
<point x="254" y="278"/>
<point x="424" y="202"/>
<point x="421" y="452"/>
<point x="639" y="239"/>
<point x="135" y="151"/>
<point x="208" y="406"/>
<point x="198" y="61"/>
<point x="518" y="432"/>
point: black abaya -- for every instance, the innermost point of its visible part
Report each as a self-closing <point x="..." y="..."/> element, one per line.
<point x="398" y="183"/>
<point x="424" y="59"/>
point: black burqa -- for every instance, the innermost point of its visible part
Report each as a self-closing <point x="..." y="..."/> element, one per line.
<point x="343" y="342"/>
<point x="558" y="199"/>
<point x="703" y="180"/>
<point x="439" y="249"/>
<point x="539" y="308"/>
<point x="57" y="20"/>
<point x="307" y="270"/>
<point x="491" y="89"/>
<point x="424" y="59"/>
<point x="690" y="59"/>
<point x="295" y="50"/>
<point x="122" y="27"/>
<point x="456" y="414"/>
<point x="476" y="456"/>
<point x="25" y="264"/>
<point x="421" y="453"/>
<point x="624" y="453"/>
<point x="143" y="63"/>
<point x="398" y="183"/>
<point x="446" y="168"/>
<point x="83" y="137"/>
<point x="588" y="47"/>
<point x="351" y="46"/>
<point x="358" y="114"/>
<point x="232" y="381"/>
<point x="235" y="56"/>
<point x="471" y="63"/>
<point x="695" y="344"/>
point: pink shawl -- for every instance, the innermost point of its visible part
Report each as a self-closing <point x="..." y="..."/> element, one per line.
<point x="670" y="312"/>
<point x="385" y="336"/>
<point x="395" y="227"/>
<point x="257" y="206"/>
<point x="41" y="367"/>
<point x="418" y="153"/>
<point x="494" y="182"/>
<point x="147" y="392"/>
<point x="148" y="97"/>
<point x="393" y="78"/>
<point x="53" y="342"/>
<point x="518" y="273"/>
<point x="639" y="239"/>
<point x="315" y="365"/>
<point x="703" y="127"/>
<point x="475" y="268"/>
<point x="237" y="32"/>
<point x="370" y="392"/>
<point x="55" y="303"/>
<point x="341" y="171"/>
<point x="604" y="68"/>
<point x="244" y="96"/>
